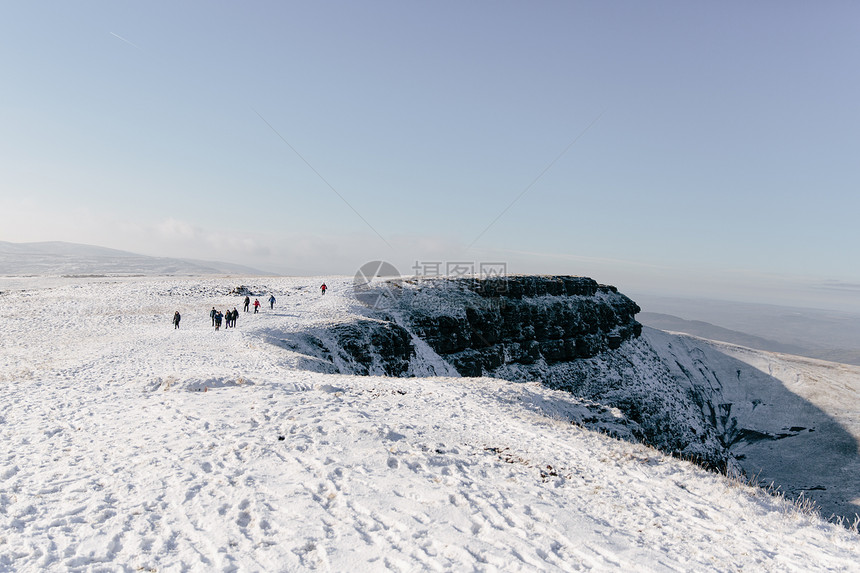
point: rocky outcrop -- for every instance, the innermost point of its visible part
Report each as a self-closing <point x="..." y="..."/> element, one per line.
<point x="480" y="326"/>
<point x="569" y="333"/>
<point x="364" y="347"/>
<point x="374" y="348"/>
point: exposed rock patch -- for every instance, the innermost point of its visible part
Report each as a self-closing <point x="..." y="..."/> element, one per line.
<point x="480" y="326"/>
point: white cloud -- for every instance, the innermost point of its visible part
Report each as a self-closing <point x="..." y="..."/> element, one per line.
<point x="173" y="229"/>
<point x="197" y="242"/>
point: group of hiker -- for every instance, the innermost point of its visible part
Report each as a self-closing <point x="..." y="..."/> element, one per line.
<point x="228" y="317"/>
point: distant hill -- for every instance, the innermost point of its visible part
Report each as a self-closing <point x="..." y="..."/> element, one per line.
<point x="57" y="258"/>
<point x="713" y="332"/>
<point x="702" y="329"/>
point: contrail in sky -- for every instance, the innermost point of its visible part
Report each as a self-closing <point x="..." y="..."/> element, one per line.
<point x="124" y="40"/>
<point x="324" y="180"/>
<point x="530" y="185"/>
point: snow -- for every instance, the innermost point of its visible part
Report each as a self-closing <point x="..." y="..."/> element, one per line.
<point x="792" y="421"/>
<point x="131" y="446"/>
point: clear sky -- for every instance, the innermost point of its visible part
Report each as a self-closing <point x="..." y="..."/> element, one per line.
<point x="704" y="149"/>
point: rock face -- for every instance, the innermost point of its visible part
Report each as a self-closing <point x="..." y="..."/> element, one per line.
<point x="530" y="321"/>
<point x="364" y="347"/>
<point x="375" y="348"/>
<point x="480" y="327"/>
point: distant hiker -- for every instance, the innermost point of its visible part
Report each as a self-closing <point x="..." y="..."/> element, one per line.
<point x="212" y="315"/>
<point x="218" y="318"/>
<point x="272" y="301"/>
<point x="234" y="317"/>
<point x="176" y="319"/>
<point x="323" y="287"/>
<point x="247" y="303"/>
<point x="227" y="316"/>
<point x="256" y="305"/>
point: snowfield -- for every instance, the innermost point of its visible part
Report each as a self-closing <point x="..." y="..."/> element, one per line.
<point x="131" y="446"/>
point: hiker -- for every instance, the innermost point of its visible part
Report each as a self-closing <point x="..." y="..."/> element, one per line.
<point x="247" y="303"/>
<point x="323" y="287"/>
<point x="272" y="301"/>
<point x="212" y="315"/>
<point x="256" y="305"/>
<point x="176" y="318"/>
<point x="234" y="316"/>
<point x="218" y="317"/>
<point x="227" y="316"/>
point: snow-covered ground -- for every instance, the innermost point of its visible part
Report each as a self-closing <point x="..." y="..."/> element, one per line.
<point x="791" y="421"/>
<point x="131" y="446"/>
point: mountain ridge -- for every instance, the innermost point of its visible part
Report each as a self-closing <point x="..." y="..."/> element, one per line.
<point x="710" y="331"/>
<point x="52" y="258"/>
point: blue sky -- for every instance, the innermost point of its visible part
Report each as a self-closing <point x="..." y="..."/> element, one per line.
<point x="700" y="149"/>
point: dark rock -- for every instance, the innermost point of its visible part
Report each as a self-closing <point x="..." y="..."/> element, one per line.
<point x="553" y="350"/>
<point x="374" y="347"/>
<point x="524" y="319"/>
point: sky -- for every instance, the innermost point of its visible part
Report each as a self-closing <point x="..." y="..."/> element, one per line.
<point x="696" y="149"/>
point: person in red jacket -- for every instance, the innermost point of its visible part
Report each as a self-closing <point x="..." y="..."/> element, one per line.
<point x="323" y="287"/>
<point x="256" y="305"/>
